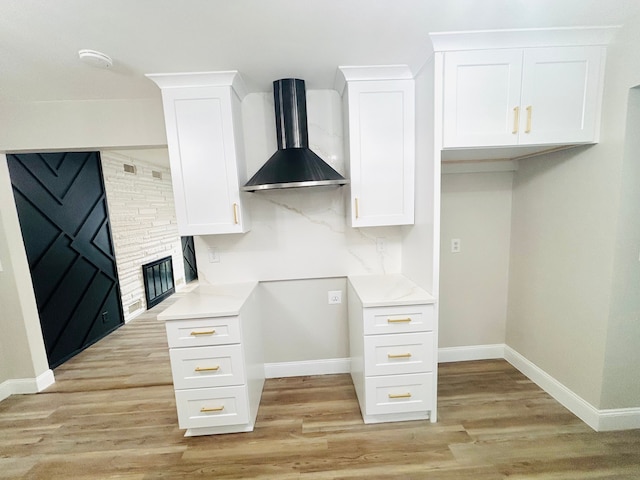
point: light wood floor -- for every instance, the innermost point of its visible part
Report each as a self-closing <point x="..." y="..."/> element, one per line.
<point x="111" y="414"/>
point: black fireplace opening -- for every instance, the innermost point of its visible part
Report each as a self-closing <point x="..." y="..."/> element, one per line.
<point x="158" y="281"/>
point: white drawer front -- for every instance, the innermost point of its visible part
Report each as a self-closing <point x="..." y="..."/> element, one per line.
<point x="212" y="407"/>
<point x="201" y="367"/>
<point x="399" y="393"/>
<point x="399" y="319"/>
<point x="399" y="353"/>
<point x="201" y="332"/>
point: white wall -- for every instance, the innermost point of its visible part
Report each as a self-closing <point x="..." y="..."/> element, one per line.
<point x="298" y="324"/>
<point x="143" y="220"/>
<point x="621" y="375"/>
<point x="86" y="125"/>
<point x="420" y="241"/>
<point x="476" y="208"/>
<point x="564" y="250"/>
<point x="23" y="351"/>
<point x="621" y="384"/>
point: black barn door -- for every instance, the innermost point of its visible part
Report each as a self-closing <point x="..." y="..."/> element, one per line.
<point x="64" y="220"/>
<point x="189" y="257"/>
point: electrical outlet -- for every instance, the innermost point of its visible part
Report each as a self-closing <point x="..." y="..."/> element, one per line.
<point x="455" y="245"/>
<point x="214" y="257"/>
<point x="335" y="297"/>
<point x="380" y="246"/>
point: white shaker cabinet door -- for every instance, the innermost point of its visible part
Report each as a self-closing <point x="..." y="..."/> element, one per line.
<point x="382" y="150"/>
<point x="204" y="156"/>
<point x="481" y="97"/>
<point x="561" y="95"/>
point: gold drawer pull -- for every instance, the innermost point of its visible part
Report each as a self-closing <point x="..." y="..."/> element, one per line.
<point x="208" y="369"/>
<point x="208" y="332"/>
<point x="357" y="208"/>
<point x="400" y="395"/>
<point x="213" y="409"/>
<point x="528" y="129"/>
<point x="399" y="355"/>
<point x="399" y="320"/>
<point x="516" y="119"/>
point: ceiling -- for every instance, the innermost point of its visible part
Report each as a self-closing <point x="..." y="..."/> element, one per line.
<point x="263" y="39"/>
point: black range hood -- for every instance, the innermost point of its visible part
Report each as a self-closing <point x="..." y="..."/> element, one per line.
<point x="294" y="164"/>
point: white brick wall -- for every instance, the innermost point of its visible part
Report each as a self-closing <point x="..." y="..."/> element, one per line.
<point x="143" y="223"/>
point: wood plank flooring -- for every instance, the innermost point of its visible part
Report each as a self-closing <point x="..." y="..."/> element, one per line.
<point x="111" y="415"/>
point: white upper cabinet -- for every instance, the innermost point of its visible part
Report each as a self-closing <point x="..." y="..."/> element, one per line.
<point x="526" y="96"/>
<point x="206" y="151"/>
<point x="527" y="88"/>
<point x="379" y="108"/>
<point x="561" y="95"/>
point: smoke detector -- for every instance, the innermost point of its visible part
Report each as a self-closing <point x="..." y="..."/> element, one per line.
<point x="95" y="59"/>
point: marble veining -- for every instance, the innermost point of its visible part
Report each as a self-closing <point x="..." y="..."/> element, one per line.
<point x="388" y="290"/>
<point x="298" y="233"/>
<point x="206" y="300"/>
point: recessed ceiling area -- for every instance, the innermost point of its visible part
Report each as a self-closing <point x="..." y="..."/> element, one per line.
<point x="263" y="39"/>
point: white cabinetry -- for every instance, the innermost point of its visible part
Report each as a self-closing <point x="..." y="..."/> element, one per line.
<point x="206" y="151"/>
<point x="525" y="96"/>
<point x="216" y="359"/>
<point x="509" y="94"/>
<point x="379" y="109"/>
<point x="393" y="344"/>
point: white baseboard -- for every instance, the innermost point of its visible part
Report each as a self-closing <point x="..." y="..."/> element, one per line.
<point x="5" y="390"/>
<point x="17" y="386"/>
<point x="310" y="367"/>
<point x="599" y="420"/>
<point x="618" y="419"/>
<point x="475" y="352"/>
<point x="570" y="400"/>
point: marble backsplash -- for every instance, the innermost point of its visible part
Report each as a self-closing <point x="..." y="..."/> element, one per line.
<point x="297" y="233"/>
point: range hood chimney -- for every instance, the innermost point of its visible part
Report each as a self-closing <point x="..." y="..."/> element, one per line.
<point x="294" y="164"/>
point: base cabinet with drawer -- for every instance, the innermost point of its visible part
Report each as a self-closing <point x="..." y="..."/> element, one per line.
<point x="217" y="366"/>
<point x="393" y="349"/>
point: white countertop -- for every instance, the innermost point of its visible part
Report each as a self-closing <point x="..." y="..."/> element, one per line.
<point x="388" y="290"/>
<point x="220" y="300"/>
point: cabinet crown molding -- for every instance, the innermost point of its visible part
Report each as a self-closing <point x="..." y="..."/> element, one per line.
<point x="519" y="38"/>
<point x="230" y="78"/>
<point x="370" y="72"/>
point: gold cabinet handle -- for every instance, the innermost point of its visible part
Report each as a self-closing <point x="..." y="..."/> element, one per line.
<point x="207" y="369"/>
<point x="400" y="395"/>
<point x="528" y="129"/>
<point x="208" y="332"/>
<point x="516" y="119"/>
<point x="399" y="320"/>
<point x="399" y="355"/>
<point x="212" y="409"/>
<point x="235" y="213"/>
<point x="357" y="208"/>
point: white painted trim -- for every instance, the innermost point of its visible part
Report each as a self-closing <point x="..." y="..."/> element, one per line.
<point x="474" y="352"/>
<point x="228" y="78"/>
<point x="18" y="386"/>
<point x="618" y="419"/>
<point x="5" y="390"/>
<point x="518" y="38"/>
<point x="310" y="367"/>
<point x="599" y="420"/>
<point x="45" y="380"/>
<point x="573" y="402"/>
